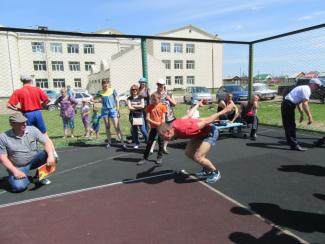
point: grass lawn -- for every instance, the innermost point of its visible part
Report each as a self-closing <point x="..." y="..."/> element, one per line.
<point x="269" y="113"/>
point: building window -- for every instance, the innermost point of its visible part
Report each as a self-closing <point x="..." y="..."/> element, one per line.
<point x="167" y="64"/>
<point x="168" y="80"/>
<point x="189" y="48"/>
<point x="89" y="48"/>
<point x="178" y="48"/>
<point x="42" y="83"/>
<point x="58" y="83"/>
<point x="190" y="80"/>
<point x="39" y="65"/>
<point x="178" y="64"/>
<point x="38" y="47"/>
<point x="165" y="47"/>
<point x="77" y="83"/>
<point x="56" y="47"/>
<point x="178" y="80"/>
<point x="73" y="48"/>
<point x="88" y="65"/>
<point x="57" y="66"/>
<point x="190" y="64"/>
<point x="74" y="66"/>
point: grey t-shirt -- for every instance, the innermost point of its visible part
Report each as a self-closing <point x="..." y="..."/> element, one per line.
<point x="21" y="150"/>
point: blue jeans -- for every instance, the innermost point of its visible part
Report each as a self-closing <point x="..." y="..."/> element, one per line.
<point x="18" y="185"/>
<point x="143" y="130"/>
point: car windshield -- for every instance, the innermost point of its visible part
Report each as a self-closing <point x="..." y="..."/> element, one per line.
<point x="323" y="81"/>
<point x="260" y="87"/>
<point x="234" y="88"/>
<point x="200" y="90"/>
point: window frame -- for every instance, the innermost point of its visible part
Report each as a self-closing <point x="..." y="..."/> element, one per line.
<point x="56" y="47"/>
<point x="167" y="63"/>
<point x="89" y="48"/>
<point x="74" y="65"/>
<point x="42" y="83"/>
<point x="57" y="83"/>
<point x="72" y="48"/>
<point x="178" y="47"/>
<point x="189" y="78"/>
<point x="190" y="48"/>
<point x="77" y="81"/>
<point x="190" y="64"/>
<point x="40" y="65"/>
<point x="88" y="65"/>
<point x="38" y="47"/>
<point x="180" y="78"/>
<point x="178" y="64"/>
<point x="165" y="47"/>
<point x="57" y="66"/>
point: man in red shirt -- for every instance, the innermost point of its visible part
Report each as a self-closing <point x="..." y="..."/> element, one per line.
<point x="203" y="134"/>
<point x="30" y="100"/>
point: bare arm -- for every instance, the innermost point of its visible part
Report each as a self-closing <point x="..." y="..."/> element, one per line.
<point x="192" y="110"/>
<point x="12" y="107"/>
<point x="305" y="108"/>
<point x="10" y="167"/>
<point x="171" y="100"/>
<point x="50" y="154"/>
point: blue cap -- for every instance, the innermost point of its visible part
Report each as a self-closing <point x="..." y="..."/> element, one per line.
<point x="143" y="80"/>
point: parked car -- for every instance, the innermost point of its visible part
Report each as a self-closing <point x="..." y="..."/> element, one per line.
<point x="123" y="98"/>
<point x="262" y="90"/>
<point x="239" y="93"/>
<point x="79" y="96"/>
<point x="51" y="93"/>
<point x="319" y="94"/>
<point x="196" y="93"/>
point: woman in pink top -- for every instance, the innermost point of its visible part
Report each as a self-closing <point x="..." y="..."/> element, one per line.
<point x="203" y="134"/>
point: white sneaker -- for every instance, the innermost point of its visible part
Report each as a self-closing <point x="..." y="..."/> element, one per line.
<point x="136" y="147"/>
<point x="45" y="182"/>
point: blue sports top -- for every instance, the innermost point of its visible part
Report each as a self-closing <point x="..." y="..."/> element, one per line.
<point x="108" y="98"/>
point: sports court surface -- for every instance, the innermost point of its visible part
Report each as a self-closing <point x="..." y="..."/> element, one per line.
<point x="267" y="194"/>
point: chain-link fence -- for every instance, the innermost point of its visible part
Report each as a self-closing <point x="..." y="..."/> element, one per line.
<point x="184" y="57"/>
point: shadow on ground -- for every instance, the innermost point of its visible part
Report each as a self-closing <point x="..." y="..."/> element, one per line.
<point x="314" y="170"/>
<point x="295" y="220"/>
<point x="150" y="176"/>
<point x="271" y="237"/>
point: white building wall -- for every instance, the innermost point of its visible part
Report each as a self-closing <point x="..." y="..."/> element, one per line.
<point x="205" y="74"/>
<point x="9" y="63"/>
<point x="21" y="58"/>
<point x="127" y="69"/>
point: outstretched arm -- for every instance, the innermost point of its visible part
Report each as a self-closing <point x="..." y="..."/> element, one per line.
<point x="193" y="109"/>
<point x="208" y="120"/>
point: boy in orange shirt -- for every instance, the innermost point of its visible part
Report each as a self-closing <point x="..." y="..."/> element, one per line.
<point x="155" y="116"/>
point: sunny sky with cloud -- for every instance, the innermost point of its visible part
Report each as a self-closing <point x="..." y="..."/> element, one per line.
<point x="230" y="20"/>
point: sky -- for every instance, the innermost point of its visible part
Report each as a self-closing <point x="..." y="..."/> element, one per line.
<point x="230" y="19"/>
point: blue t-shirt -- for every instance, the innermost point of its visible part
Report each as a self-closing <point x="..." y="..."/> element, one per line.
<point x="108" y="98"/>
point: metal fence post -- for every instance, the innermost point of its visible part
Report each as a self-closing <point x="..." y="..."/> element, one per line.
<point x="250" y="71"/>
<point x="144" y="58"/>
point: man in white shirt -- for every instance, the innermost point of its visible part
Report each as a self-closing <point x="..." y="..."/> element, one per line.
<point x="298" y="96"/>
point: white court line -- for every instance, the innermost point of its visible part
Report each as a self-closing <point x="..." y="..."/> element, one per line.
<point x="89" y="164"/>
<point x="81" y="190"/>
<point x="81" y="166"/>
<point x="156" y="176"/>
<point x="281" y="229"/>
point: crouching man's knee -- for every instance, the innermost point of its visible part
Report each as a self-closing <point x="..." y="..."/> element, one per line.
<point x="19" y="185"/>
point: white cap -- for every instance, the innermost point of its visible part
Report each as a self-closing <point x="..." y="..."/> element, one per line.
<point x="161" y="82"/>
<point x="25" y="78"/>
<point x="316" y="81"/>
